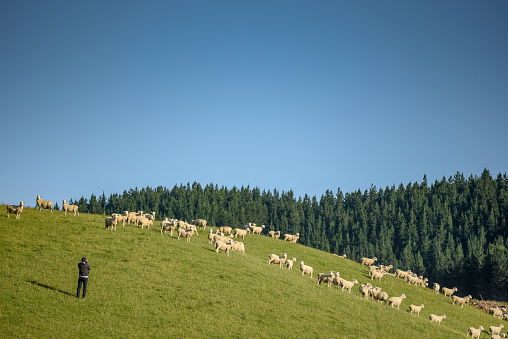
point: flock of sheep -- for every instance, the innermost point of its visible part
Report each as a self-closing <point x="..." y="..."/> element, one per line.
<point x="223" y="240"/>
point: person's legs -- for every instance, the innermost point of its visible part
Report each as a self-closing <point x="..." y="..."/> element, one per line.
<point x="79" y="287"/>
<point x="85" y="281"/>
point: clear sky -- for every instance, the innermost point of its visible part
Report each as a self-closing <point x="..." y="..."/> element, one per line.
<point x="104" y="96"/>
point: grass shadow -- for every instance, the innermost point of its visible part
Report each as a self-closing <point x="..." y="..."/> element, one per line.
<point x="33" y="282"/>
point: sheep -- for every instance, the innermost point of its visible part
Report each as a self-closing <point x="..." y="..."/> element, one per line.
<point x="377" y="275"/>
<point x="222" y="237"/>
<point x="46" y="204"/>
<point x="368" y="261"/>
<point x="186" y="233"/>
<point x="15" y="209"/>
<point x="412" y="279"/>
<point x="70" y="208"/>
<point x="327" y="278"/>
<point x="134" y="217"/>
<point x="257" y="230"/>
<point x="498" y="336"/>
<point x="240" y="232"/>
<point x="225" y="229"/>
<point x="460" y="301"/>
<point x="385" y="269"/>
<point x="348" y="284"/>
<point x="381" y="296"/>
<point x="340" y="256"/>
<point x="274" y="234"/>
<point x="396" y="301"/>
<point x="496" y="329"/>
<point x="167" y="225"/>
<point x="337" y="281"/>
<point x="274" y="258"/>
<point x="437" y="319"/>
<point x="211" y="237"/>
<point x="436" y="288"/>
<point x="111" y="222"/>
<point x="223" y="246"/>
<point x="475" y="332"/>
<point x="402" y="274"/>
<point x="306" y="269"/>
<point x="122" y="217"/>
<point x="364" y="289"/>
<point x="496" y="312"/>
<point x="504" y="316"/>
<point x="416" y="309"/>
<point x="449" y="291"/>
<point x="292" y="238"/>
<point x="144" y="222"/>
<point x="289" y="263"/>
<point x="374" y="291"/>
<point x="199" y="222"/>
<point x="238" y="246"/>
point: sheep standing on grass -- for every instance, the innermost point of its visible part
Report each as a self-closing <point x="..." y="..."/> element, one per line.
<point x="46" y="204"/>
<point x="461" y="301"/>
<point x="449" y="291"/>
<point x="348" y="284"/>
<point x="225" y="229"/>
<point x="292" y="238"/>
<point x="274" y="258"/>
<point x="396" y="301"/>
<point x="368" y="261"/>
<point x="238" y="246"/>
<point x="70" y="208"/>
<point x="257" y="230"/>
<point x="185" y="233"/>
<point x="222" y="246"/>
<point x="402" y="274"/>
<point x="436" y="288"/>
<point x="240" y="232"/>
<point x="437" y="319"/>
<point x="111" y="222"/>
<point x="306" y="269"/>
<point x="15" y="209"/>
<point x="290" y="262"/>
<point x="326" y="278"/>
<point x="167" y="225"/>
<point x="211" y="237"/>
<point x="498" y="336"/>
<point x="381" y="297"/>
<point x="475" y="332"/>
<point x="416" y="309"/>
<point x="199" y="222"/>
<point x="496" y="312"/>
<point x="496" y="329"/>
<point x="377" y="275"/>
<point x="273" y="234"/>
<point x="121" y="217"/>
<point x="364" y="290"/>
<point x="144" y="222"/>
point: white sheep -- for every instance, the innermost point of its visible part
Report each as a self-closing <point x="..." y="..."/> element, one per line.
<point x="292" y="238"/>
<point x="274" y="258"/>
<point x="326" y="278"/>
<point x="225" y="229"/>
<point x="222" y="237"/>
<point x="368" y="261"/>
<point x="498" y="336"/>
<point x="211" y="237"/>
<point x="381" y="296"/>
<point x="144" y="222"/>
<point x="111" y="222"/>
<point x="377" y="275"/>
<point x="199" y="222"/>
<point x="364" y="289"/>
<point x="134" y="216"/>
<point x="306" y="269"/>
<point x="348" y="284"/>
<point x="70" y="208"/>
<point x="121" y="217"/>
<point x="449" y="291"/>
<point x="46" y="204"/>
<point x="290" y="262"/>
<point x="396" y="301"/>
<point x="496" y="312"/>
<point x="167" y="225"/>
<point x="475" y="332"/>
<point x="257" y="230"/>
<point x="185" y="233"/>
<point x="273" y="234"/>
<point x="437" y="319"/>
<point x="238" y="246"/>
<point x="402" y="274"/>
<point x="222" y="246"/>
<point x="240" y="232"/>
<point x="496" y="329"/>
<point x="15" y="209"/>
<point x="340" y="256"/>
<point x="460" y="301"/>
<point x="416" y="309"/>
<point x="436" y="288"/>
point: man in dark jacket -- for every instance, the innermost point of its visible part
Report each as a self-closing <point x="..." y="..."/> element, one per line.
<point x="84" y="267"/>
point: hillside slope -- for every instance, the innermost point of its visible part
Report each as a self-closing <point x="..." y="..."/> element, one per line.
<point x="147" y="284"/>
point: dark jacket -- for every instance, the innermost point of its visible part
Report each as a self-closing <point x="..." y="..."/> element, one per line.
<point x="83" y="269"/>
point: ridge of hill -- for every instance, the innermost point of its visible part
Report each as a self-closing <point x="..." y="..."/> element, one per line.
<point x="144" y="283"/>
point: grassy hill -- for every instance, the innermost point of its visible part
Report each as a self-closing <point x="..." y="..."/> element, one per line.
<point x="147" y="284"/>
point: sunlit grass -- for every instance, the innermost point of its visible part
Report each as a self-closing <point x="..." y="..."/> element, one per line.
<point x="147" y="284"/>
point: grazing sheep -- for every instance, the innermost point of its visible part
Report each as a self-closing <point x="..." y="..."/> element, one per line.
<point x="225" y="229"/>
<point x="475" y="332"/>
<point x="412" y="279"/>
<point x="240" y="232"/>
<point x="437" y="319"/>
<point x="496" y="329"/>
<point x="274" y="258"/>
<point x="306" y="269"/>
<point x="222" y="237"/>
<point x="144" y="222"/>
<point x="377" y="275"/>
<point x="46" y="204"/>
<point x="449" y="291"/>
<point x="402" y="274"/>
<point x="273" y="234"/>
<point x="364" y="289"/>
<point x="436" y="288"/>
<point x="368" y="261"/>
<point x="326" y="278"/>
<point x="340" y="256"/>
<point x="460" y="301"/>
<point x="396" y="301"/>
<point x="167" y="225"/>
<point x="374" y="291"/>
<point x="290" y="262"/>
<point x="337" y="281"/>
<point x="257" y="230"/>
<point x="185" y="233"/>
<point x="291" y="237"/>
<point x="348" y="284"/>
<point x="70" y="208"/>
<point x="385" y="269"/>
<point x="496" y="312"/>
<point x="111" y="222"/>
<point x="381" y="296"/>
<point x="223" y="246"/>
<point x="416" y="309"/>
<point x="15" y="209"/>
<point x="238" y="246"/>
<point x="199" y="222"/>
<point x="498" y="336"/>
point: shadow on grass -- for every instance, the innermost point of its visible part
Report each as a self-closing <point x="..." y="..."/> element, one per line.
<point x="33" y="282"/>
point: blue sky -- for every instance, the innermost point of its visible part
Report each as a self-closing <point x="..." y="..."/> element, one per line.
<point x="104" y="96"/>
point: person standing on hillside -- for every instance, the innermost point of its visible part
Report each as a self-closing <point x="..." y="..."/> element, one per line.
<point x="84" y="267"/>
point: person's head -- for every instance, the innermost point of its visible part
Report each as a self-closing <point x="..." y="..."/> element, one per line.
<point x="83" y="259"/>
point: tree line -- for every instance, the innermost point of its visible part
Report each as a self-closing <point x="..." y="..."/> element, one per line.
<point x="453" y="231"/>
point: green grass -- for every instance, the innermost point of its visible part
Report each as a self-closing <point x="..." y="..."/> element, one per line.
<point x="144" y="284"/>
